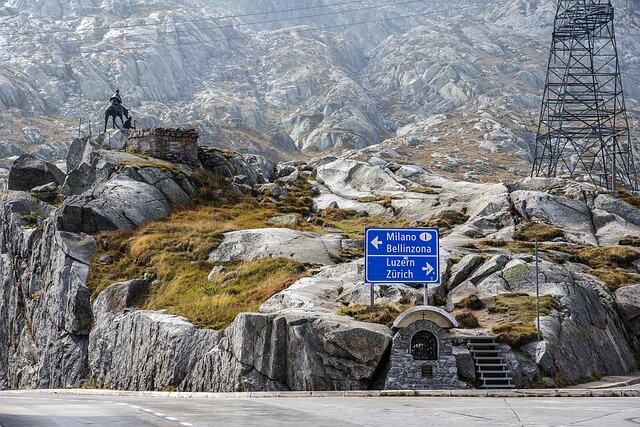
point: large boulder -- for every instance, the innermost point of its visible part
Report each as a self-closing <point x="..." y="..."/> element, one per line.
<point x="353" y="179"/>
<point x="228" y="164"/>
<point x="337" y="286"/>
<point x="249" y="245"/>
<point x="28" y="172"/>
<point x="628" y="303"/>
<point x="573" y="217"/>
<point x="293" y="350"/>
<point x="121" y="203"/>
<point x="142" y="350"/>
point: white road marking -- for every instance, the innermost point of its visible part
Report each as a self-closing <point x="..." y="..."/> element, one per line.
<point x="171" y="418"/>
<point x="135" y="407"/>
<point x="185" y="424"/>
<point x="158" y="414"/>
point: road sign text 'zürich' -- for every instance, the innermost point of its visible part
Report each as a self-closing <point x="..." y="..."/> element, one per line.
<point x="402" y="255"/>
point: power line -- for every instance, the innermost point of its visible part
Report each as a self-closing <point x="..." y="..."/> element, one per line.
<point x="233" y="26"/>
<point x="272" y="21"/>
<point x="299" y="30"/>
<point x="186" y="21"/>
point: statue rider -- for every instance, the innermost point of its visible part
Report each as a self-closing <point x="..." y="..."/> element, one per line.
<point x="116" y="98"/>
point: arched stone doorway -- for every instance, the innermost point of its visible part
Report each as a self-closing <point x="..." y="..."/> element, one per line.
<point x="424" y="346"/>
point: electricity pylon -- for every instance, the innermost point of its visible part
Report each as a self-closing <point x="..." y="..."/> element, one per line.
<point x="583" y="130"/>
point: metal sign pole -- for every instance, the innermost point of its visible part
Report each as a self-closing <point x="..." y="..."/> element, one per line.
<point x="373" y="294"/>
<point x="425" y="298"/>
<point x="537" y="292"/>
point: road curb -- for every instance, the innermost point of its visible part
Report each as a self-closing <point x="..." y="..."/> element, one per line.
<point x="627" y="383"/>
<point x="517" y="393"/>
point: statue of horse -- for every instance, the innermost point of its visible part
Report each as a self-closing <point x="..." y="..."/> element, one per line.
<point x="115" y="110"/>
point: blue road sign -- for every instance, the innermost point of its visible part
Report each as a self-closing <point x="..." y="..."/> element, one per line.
<point x="402" y="255"/>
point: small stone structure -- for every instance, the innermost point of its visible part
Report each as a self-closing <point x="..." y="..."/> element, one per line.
<point x="421" y="354"/>
<point x="174" y="145"/>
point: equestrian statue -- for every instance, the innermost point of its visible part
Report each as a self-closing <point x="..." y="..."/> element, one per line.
<point x="117" y="110"/>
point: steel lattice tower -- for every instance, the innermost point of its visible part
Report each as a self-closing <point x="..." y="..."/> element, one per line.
<point x="583" y="126"/>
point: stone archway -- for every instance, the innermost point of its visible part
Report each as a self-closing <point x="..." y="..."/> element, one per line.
<point x="421" y="354"/>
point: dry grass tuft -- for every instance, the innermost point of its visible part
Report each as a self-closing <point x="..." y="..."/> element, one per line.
<point x="520" y="329"/>
<point x="630" y="241"/>
<point x="531" y="231"/>
<point x="605" y="256"/>
<point x="185" y="290"/>
<point x="383" y="314"/>
<point x="472" y="302"/>
<point x="630" y="198"/>
<point x="467" y="319"/>
<point x="616" y="278"/>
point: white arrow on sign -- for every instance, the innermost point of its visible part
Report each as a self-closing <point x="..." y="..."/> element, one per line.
<point x="376" y="242"/>
<point x="428" y="269"/>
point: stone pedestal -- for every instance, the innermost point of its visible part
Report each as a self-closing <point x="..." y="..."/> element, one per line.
<point x="174" y="145"/>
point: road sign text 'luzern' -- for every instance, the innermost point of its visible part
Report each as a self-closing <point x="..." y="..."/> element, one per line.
<point x="402" y="255"/>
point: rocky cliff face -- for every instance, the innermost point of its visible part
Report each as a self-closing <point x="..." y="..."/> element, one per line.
<point x="45" y="309"/>
<point x="53" y="335"/>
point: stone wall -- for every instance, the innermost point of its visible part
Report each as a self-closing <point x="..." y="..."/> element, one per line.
<point x="405" y="373"/>
<point x="174" y="145"/>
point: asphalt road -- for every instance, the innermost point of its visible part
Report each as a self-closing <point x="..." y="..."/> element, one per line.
<point x="72" y="411"/>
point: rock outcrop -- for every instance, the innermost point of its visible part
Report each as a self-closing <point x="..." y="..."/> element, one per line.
<point x="249" y="245"/>
<point x="52" y="336"/>
<point x="28" y="172"/>
<point x="142" y="350"/>
<point x="45" y="312"/>
<point x="292" y="350"/>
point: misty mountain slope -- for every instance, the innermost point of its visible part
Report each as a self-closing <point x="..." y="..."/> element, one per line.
<point x="275" y="77"/>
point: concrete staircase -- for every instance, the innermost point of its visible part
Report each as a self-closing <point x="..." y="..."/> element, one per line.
<point x="491" y="371"/>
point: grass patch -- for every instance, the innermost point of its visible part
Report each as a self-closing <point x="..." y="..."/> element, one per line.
<point x="175" y="251"/>
<point x="429" y="189"/>
<point x="598" y="257"/>
<point x="467" y="319"/>
<point x="185" y="290"/>
<point x="354" y="228"/>
<point x="630" y="241"/>
<point x="383" y="314"/>
<point x="629" y="198"/>
<point x="338" y="214"/>
<point x="446" y="219"/>
<point x="144" y="162"/>
<point x="513" y="246"/>
<point x="616" y="278"/>
<point x="531" y="231"/>
<point x="520" y="329"/>
<point x="472" y="302"/>
<point x="384" y="201"/>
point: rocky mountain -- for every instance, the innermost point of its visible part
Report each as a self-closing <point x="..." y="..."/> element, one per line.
<point x="244" y="272"/>
<point x="277" y="77"/>
<point x="84" y="299"/>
